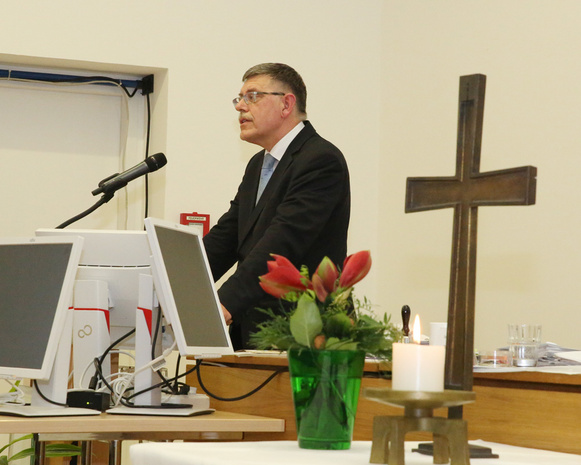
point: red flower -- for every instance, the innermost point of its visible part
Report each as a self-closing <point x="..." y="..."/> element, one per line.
<point x="282" y="278"/>
<point x="355" y="268"/>
<point x="279" y="260"/>
<point x="325" y="279"/>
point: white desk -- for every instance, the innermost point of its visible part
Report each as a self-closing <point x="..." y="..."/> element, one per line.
<point x="288" y="453"/>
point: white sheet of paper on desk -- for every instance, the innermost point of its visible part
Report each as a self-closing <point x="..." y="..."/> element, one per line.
<point x="260" y="353"/>
<point x="574" y="355"/>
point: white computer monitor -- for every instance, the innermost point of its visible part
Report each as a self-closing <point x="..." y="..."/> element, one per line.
<point x="185" y="289"/>
<point x="116" y="257"/>
<point x="37" y="276"/>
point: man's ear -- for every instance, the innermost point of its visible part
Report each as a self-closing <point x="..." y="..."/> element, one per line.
<point x="289" y="102"/>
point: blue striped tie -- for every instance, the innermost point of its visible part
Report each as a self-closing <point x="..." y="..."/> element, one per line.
<point x="265" y="174"/>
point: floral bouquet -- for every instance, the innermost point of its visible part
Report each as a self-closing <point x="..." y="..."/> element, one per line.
<point x="325" y="314"/>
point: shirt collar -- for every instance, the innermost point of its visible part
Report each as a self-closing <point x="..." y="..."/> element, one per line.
<point x="280" y="148"/>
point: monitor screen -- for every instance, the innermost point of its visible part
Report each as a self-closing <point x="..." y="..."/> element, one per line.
<point x="36" y="287"/>
<point x="117" y="258"/>
<point x="185" y="289"/>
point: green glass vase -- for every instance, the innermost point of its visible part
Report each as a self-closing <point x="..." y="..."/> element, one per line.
<point x="325" y="386"/>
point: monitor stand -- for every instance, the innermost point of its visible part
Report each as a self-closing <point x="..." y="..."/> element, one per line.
<point x="161" y="411"/>
<point x="43" y="411"/>
<point x="149" y="402"/>
<point x="55" y="388"/>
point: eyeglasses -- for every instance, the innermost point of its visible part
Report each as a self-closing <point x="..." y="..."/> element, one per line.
<point x="252" y="97"/>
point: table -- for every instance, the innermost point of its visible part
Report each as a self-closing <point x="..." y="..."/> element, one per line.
<point x="288" y="453"/>
<point x="116" y="428"/>
<point x="539" y="409"/>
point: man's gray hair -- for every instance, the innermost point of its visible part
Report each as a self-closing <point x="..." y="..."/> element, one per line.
<point x="286" y="75"/>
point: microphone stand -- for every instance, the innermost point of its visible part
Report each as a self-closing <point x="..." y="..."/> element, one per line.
<point x="102" y="201"/>
<point x="113" y="183"/>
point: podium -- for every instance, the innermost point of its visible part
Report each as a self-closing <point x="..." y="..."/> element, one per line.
<point x="525" y="403"/>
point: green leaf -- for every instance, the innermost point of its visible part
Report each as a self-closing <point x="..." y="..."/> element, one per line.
<point x="334" y="343"/>
<point x="51" y="450"/>
<point x="22" y="454"/>
<point x="62" y="450"/>
<point x="305" y="322"/>
<point x="26" y="437"/>
<point x="338" y="325"/>
<point x="274" y="333"/>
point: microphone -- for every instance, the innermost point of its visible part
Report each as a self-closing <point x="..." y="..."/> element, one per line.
<point x="117" y="181"/>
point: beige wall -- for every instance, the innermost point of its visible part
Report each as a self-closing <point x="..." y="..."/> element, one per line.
<point x="528" y="257"/>
<point x="383" y="85"/>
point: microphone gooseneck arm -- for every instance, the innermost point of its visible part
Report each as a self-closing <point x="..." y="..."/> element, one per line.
<point x="102" y="201"/>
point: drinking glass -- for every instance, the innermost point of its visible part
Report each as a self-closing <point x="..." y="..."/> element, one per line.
<point x="524" y="341"/>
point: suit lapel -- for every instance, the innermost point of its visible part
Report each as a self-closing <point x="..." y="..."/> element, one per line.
<point x="285" y="162"/>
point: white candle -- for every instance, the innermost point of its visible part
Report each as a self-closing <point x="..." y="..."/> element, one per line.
<point x="418" y="367"/>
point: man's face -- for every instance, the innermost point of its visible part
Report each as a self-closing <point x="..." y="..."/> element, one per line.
<point x="260" y="121"/>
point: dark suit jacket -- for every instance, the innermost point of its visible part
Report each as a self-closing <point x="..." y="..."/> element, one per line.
<point x="303" y="215"/>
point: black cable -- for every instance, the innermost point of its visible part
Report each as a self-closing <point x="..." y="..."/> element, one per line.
<point x="175" y="388"/>
<point x="46" y="398"/>
<point x="99" y="363"/>
<point x="89" y="80"/>
<point x="147" y="136"/>
<point x="118" y="341"/>
<point x="15" y="76"/>
<point x="153" y="344"/>
<point x="45" y="78"/>
<point x="125" y="402"/>
<point x="176" y="377"/>
<point x="243" y="396"/>
<point x="102" y="201"/>
<point x="99" y="373"/>
<point x="150" y="388"/>
<point x="177" y="370"/>
<point x="155" y="333"/>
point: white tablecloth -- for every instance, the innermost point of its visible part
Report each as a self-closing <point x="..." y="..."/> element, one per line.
<point x="288" y="452"/>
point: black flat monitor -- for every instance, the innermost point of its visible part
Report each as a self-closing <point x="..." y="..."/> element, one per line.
<point x="185" y="289"/>
<point x="36" y="289"/>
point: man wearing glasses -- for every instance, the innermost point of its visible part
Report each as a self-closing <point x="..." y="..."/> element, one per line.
<point x="294" y="198"/>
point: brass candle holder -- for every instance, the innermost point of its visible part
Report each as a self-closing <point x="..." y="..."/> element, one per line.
<point x="450" y="435"/>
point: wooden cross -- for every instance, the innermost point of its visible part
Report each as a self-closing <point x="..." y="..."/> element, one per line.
<point x="466" y="191"/>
